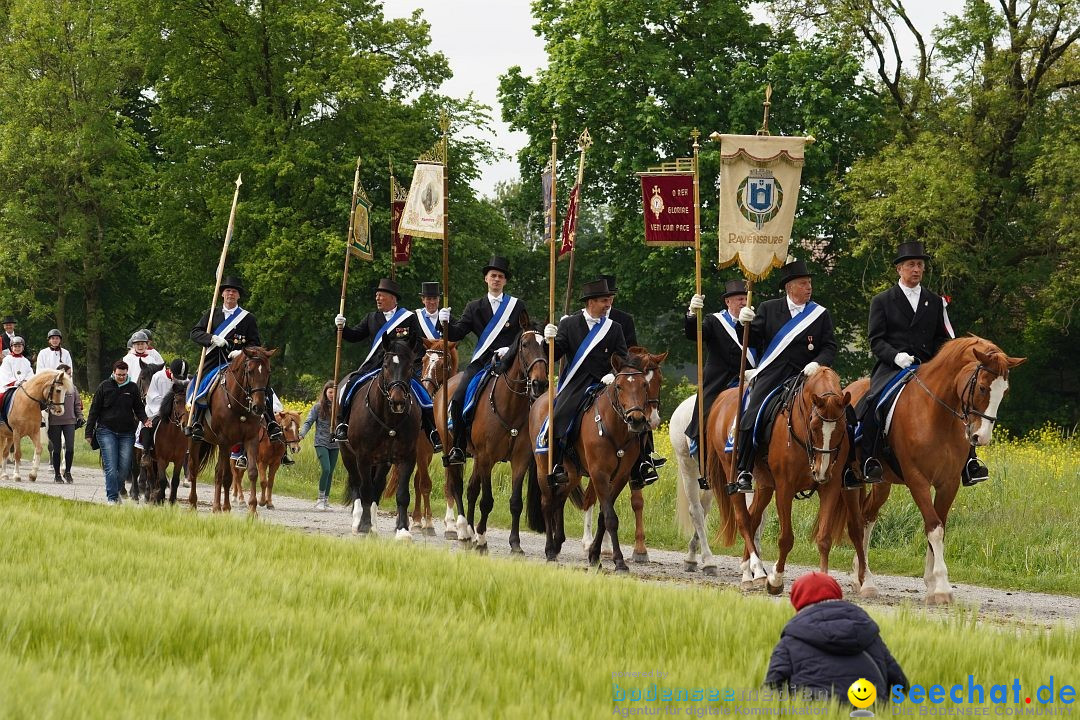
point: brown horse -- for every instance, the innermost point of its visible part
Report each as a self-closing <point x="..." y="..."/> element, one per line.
<point x="170" y="445"/>
<point x="44" y="391"/>
<point x="587" y="501"/>
<point x="498" y="434"/>
<point x="139" y="474"/>
<point x="269" y="458"/>
<point x="383" y="422"/>
<point x="607" y="446"/>
<point x="433" y="373"/>
<point x="951" y="404"/>
<point x="236" y="403"/>
<point x="805" y="451"/>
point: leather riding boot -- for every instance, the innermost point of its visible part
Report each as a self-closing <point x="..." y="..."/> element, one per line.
<point x="872" y="470"/>
<point x="195" y="429"/>
<point x="975" y="470"/>
<point x="427" y="422"/>
<point x="744" y="483"/>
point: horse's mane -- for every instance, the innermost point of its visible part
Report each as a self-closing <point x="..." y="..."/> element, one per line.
<point x="958" y="353"/>
<point x="41" y="379"/>
<point x="165" y="410"/>
<point x="251" y="352"/>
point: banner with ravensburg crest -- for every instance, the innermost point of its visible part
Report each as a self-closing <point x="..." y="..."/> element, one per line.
<point x="759" y="190"/>
<point x="423" y="215"/>
<point x="360" y="230"/>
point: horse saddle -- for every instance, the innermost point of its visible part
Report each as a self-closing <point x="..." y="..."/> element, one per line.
<point x="884" y="403"/>
<point x="6" y="398"/>
<point x="567" y="440"/>
<point x="205" y="384"/>
<point x="418" y="390"/>
<point x="476" y="387"/>
<point x="782" y="397"/>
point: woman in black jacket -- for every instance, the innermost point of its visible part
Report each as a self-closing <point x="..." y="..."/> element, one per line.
<point x="829" y="644"/>
<point x="115" y="412"/>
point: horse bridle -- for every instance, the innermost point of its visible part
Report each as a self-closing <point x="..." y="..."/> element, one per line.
<point x="435" y="384"/>
<point x="809" y="446"/>
<point x="45" y="402"/>
<point x="616" y="403"/>
<point x="967" y="398"/>
<point x="526" y="380"/>
<point x="249" y="394"/>
<point x="385" y="390"/>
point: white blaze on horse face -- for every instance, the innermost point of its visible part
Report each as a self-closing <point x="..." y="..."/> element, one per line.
<point x="394" y="359"/>
<point x="825" y="459"/>
<point x="649" y="376"/>
<point x="985" y="432"/>
<point x="538" y="338"/>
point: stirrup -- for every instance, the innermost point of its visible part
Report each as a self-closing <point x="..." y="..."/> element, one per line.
<point x="657" y="461"/>
<point x="557" y="476"/>
<point x="273" y="431"/>
<point x="974" y="473"/>
<point x="241" y="462"/>
<point x="648" y="473"/>
<point x="194" y="431"/>
<point x="436" y="441"/>
<point x="456" y="456"/>
<point x="341" y="432"/>
<point x="744" y="483"/>
<point x="703" y="482"/>
<point x="872" y="471"/>
<point x="286" y="460"/>
<point x="851" y="482"/>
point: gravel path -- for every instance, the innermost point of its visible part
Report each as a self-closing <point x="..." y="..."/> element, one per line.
<point x="665" y="566"/>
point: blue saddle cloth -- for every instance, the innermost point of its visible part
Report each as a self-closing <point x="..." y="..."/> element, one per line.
<point x="888" y="396"/>
<point x="472" y="392"/>
<point x="418" y="390"/>
<point x="540" y="446"/>
<point x="204" y="386"/>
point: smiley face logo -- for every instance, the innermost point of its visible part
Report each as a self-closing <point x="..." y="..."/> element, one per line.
<point x="862" y="693"/>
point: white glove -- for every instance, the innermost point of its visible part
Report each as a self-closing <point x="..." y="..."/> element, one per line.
<point x="444" y="315"/>
<point x="697" y="302"/>
<point x="608" y="379"/>
<point x="501" y="351"/>
<point x="903" y="359"/>
<point x="750" y="373"/>
<point x="747" y="315"/>
<point x="550" y="331"/>
<point x="339" y="320"/>
<point x="233" y="354"/>
<point x="218" y="341"/>
<point x="811" y="369"/>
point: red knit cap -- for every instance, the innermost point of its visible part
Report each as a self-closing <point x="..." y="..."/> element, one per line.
<point x="813" y="588"/>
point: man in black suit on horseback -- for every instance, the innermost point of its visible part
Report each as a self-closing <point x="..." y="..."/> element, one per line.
<point x="495" y="320"/>
<point x="791" y="334"/>
<point x="387" y="321"/>
<point x="908" y="324"/>
<point x="586" y="341"/>
<point x="233" y="329"/>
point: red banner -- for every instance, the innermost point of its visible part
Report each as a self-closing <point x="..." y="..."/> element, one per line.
<point x="402" y="243"/>
<point x="569" y="227"/>
<point x="669" y="209"/>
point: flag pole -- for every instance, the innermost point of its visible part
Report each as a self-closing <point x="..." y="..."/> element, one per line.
<point x="213" y="299"/>
<point x="584" y="142"/>
<point x="551" y="300"/>
<point x="444" y="125"/>
<point x="702" y="462"/>
<point x="393" y="195"/>
<point x="344" y="285"/>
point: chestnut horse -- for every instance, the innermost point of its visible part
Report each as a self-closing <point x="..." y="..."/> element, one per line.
<point x="587" y="501"/>
<point x="607" y="445"/>
<point x="268" y="459"/>
<point x="170" y="445"/>
<point x="950" y="404"/>
<point x="236" y="403"/>
<point x="382" y="432"/>
<point x="44" y="391"/>
<point x="434" y="371"/>
<point x="499" y="433"/>
<point x="804" y="454"/>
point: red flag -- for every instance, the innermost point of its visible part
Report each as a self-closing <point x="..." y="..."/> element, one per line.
<point x="569" y="228"/>
<point x="669" y="209"/>
<point x="402" y="243"/>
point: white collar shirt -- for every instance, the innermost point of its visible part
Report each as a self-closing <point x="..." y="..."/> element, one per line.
<point x="494" y="301"/>
<point x="912" y="295"/>
<point x="793" y="308"/>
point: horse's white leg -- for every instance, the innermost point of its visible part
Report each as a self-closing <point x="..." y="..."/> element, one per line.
<point x="4" y="448"/>
<point x="37" y="456"/>
<point x="708" y="560"/>
<point x="357" y="514"/>
<point x="938" y="589"/>
<point x="18" y="459"/>
<point x="374" y="519"/>
<point x="868" y="587"/>
<point x="587" y="534"/>
<point x="449" y="521"/>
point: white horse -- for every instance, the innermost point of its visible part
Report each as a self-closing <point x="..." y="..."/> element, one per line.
<point x="692" y="503"/>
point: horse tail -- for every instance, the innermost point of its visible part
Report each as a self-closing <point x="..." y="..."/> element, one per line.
<point x="680" y="446"/>
<point x="577" y="496"/>
<point x="391" y="483"/>
<point x="534" y="510"/>
<point x="728" y="527"/>
<point x="682" y="508"/>
<point x="833" y="530"/>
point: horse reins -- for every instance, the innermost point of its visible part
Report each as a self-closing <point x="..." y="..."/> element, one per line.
<point x="385" y="390"/>
<point x="526" y="380"/>
<point x="967" y="398"/>
<point x="46" y="402"/>
<point x="612" y="395"/>
<point x="248" y="394"/>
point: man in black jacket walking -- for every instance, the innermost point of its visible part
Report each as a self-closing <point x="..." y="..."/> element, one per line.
<point x="115" y="410"/>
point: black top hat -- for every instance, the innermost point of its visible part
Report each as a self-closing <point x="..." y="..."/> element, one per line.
<point x="430" y="289"/>
<point x="910" y="251"/>
<point x="610" y="280"/>
<point x="497" y="262"/>
<point x="595" y="289"/>
<point x="791" y="271"/>
<point x="232" y="282"/>
<point x="734" y="287"/>
<point x="9" y="319"/>
<point x="389" y="286"/>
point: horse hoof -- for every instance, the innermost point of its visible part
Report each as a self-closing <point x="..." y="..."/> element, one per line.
<point x="430" y="531"/>
<point x="941" y="598"/>
<point x="262" y="503"/>
<point x="448" y="534"/>
<point x="774" y="589"/>
<point x="759" y="582"/>
<point x="868" y="592"/>
<point x="269" y="506"/>
<point x="516" y="550"/>
<point x="689" y="566"/>
<point x="748" y="585"/>
<point x="403" y="535"/>
<point x="33" y="478"/>
<point x="621" y="568"/>
<point x="551" y="557"/>
<point x="482" y="549"/>
<point x="710" y="570"/>
<point x="642" y="557"/>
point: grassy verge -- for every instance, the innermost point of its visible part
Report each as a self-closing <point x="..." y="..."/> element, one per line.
<point x="1016" y="531"/>
<point x="251" y="620"/>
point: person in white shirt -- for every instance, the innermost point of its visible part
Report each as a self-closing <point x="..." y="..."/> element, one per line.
<point x="139" y="352"/>
<point x="152" y="355"/>
<point x="54" y="355"/>
<point x="160" y="385"/>
<point x="15" y="368"/>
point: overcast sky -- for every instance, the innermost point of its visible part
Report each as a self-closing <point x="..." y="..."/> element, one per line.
<point x="482" y="38"/>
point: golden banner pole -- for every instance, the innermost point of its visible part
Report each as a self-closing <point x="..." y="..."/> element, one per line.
<point x="213" y="299"/>
<point x="702" y="462"/>
<point x="551" y="301"/>
<point x="584" y="143"/>
<point x="344" y="285"/>
<point x="444" y="125"/>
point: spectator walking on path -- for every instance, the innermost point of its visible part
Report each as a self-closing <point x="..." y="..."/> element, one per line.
<point x="114" y="412"/>
<point x="62" y="429"/>
<point x="325" y="447"/>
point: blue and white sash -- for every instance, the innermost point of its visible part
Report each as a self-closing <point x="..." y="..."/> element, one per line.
<point x="396" y="319"/>
<point x="599" y="330"/>
<point x="729" y="323"/>
<point x="227" y="325"/>
<point x="431" y="330"/>
<point x="494" y="325"/>
<point x="792" y="328"/>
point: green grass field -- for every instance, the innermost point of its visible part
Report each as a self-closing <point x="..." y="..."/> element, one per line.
<point x="1016" y="531"/>
<point x="123" y="612"/>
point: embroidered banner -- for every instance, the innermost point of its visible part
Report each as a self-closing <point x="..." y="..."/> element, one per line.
<point x="423" y="213"/>
<point x="402" y="243"/>
<point x="669" y="209"/>
<point x="360" y="238"/>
